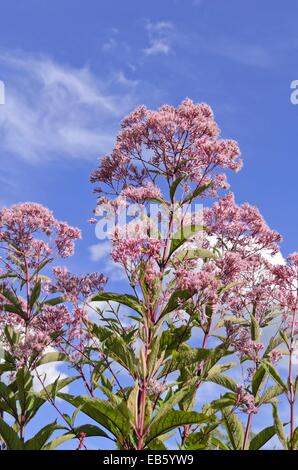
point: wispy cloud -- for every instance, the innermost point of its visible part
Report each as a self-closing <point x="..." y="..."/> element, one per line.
<point x="245" y="53"/>
<point x="53" y="110"/>
<point x="159" y="36"/>
<point x="101" y="252"/>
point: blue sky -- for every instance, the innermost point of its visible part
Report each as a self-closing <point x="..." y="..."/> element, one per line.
<point x="72" y="69"/>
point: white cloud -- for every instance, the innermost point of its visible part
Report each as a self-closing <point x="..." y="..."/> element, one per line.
<point x="53" y="110"/>
<point x="123" y="80"/>
<point x="48" y="373"/>
<point x="276" y="259"/>
<point x="159" y="36"/>
<point x="101" y="252"/>
<point x="245" y="53"/>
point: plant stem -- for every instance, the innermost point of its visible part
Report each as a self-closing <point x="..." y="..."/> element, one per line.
<point x="291" y="381"/>
<point x="247" y="431"/>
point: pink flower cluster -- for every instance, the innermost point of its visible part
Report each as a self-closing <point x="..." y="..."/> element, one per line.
<point x="133" y="250"/>
<point x="247" y="400"/>
<point x="203" y="282"/>
<point x="19" y="224"/>
<point x="142" y="193"/>
<point x="286" y="277"/>
<point x="182" y="141"/>
<point x="42" y="331"/>
<point x="240" y="339"/>
<point x="239" y="228"/>
<point x="76" y="287"/>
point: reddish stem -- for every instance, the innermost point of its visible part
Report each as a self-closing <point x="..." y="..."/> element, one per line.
<point x="247" y="431"/>
<point x="291" y="382"/>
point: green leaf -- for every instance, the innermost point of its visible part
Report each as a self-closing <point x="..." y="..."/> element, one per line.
<point x="53" y="388"/>
<point x="89" y="429"/>
<point x="9" y="436"/>
<point x="218" y="369"/>
<point x="172" y="338"/>
<point x="58" y="441"/>
<point x="279" y="426"/>
<point x="116" y="348"/>
<point x="262" y="437"/>
<point x="255" y="329"/>
<point x="132" y="403"/>
<point x="270" y="393"/>
<point x="35" y="294"/>
<point x="178" y="396"/>
<point x="172" y="420"/>
<point x="10" y="296"/>
<point x="9" y="399"/>
<point x="52" y="357"/>
<point x="195" y="254"/>
<point x="224" y="381"/>
<point x="24" y="383"/>
<point x="174" y="187"/>
<point x="219" y="444"/>
<point x="234" y="429"/>
<point x="198" y="441"/>
<point x="274" y="374"/>
<point x="196" y="192"/>
<point x="175" y="301"/>
<point x="11" y="335"/>
<point x="257" y="380"/>
<point x="125" y="299"/>
<point x="55" y="301"/>
<point x="295" y="438"/>
<point x="39" y="440"/>
<point x="182" y="235"/>
<point x="113" y="418"/>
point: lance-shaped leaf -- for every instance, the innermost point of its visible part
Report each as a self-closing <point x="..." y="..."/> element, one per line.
<point x="174" y="187"/>
<point x="258" y="379"/>
<point x="24" y="382"/>
<point x="52" y="389"/>
<point x="8" y="400"/>
<point x="176" y="300"/>
<point x="124" y="299"/>
<point x="196" y="192"/>
<point x="168" y="404"/>
<point x="195" y="254"/>
<point x="55" y="301"/>
<point x="269" y="394"/>
<point x="218" y="369"/>
<point x="116" y="348"/>
<point x="51" y="357"/>
<point x="172" y="338"/>
<point x="9" y="436"/>
<point x="262" y="437"/>
<point x="234" y="428"/>
<point x="13" y="302"/>
<point x="274" y="374"/>
<point x="39" y="440"/>
<point x="171" y="420"/>
<point x="35" y="293"/>
<point x="279" y="427"/>
<point x="224" y="381"/>
<point x="89" y="429"/>
<point x="113" y="418"/>
<point x="182" y="235"/>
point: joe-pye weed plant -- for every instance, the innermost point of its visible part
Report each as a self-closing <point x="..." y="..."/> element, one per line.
<point x="209" y="304"/>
